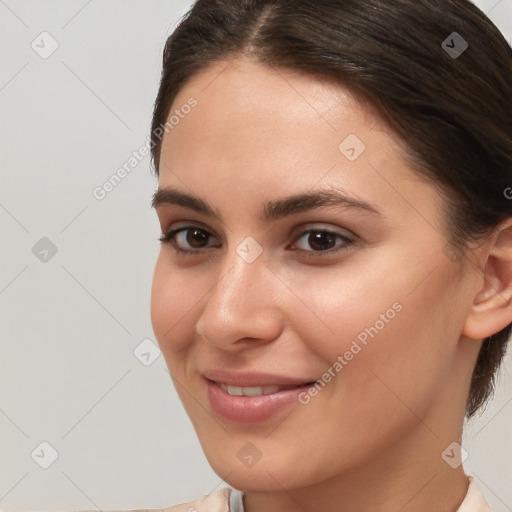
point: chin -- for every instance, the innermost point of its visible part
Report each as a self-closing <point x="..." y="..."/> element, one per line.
<point x="261" y="479"/>
<point x="269" y="474"/>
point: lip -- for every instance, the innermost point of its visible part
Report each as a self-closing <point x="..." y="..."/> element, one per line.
<point x="251" y="378"/>
<point x="247" y="410"/>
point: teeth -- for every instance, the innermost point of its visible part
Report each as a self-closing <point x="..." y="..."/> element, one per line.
<point x="251" y="391"/>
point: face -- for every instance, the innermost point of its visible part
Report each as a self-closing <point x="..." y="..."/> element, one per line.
<point x="339" y="321"/>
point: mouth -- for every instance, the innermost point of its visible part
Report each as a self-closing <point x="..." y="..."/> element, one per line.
<point x="247" y="405"/>
<point x="257" y="390"/>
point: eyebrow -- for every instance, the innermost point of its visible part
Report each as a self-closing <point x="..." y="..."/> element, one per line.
<point x="272" y="210"/>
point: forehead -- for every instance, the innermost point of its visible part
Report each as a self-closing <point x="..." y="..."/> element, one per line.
<point x="244" y="105"/>
<point x="255" y="126"/>
<point x="245" y="86"/>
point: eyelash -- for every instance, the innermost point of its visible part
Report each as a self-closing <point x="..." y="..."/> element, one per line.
<point x="168" y="238"/>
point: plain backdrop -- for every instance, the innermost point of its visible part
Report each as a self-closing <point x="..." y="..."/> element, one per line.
<point x="89" y="418"/>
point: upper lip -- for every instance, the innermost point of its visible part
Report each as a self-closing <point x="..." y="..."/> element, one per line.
<point x="252" y="378"/>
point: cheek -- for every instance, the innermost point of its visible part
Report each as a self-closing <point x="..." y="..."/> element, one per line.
<point x="385" y="335"/>
<point x="339" y="307"/>
<point x="175" y="297"/>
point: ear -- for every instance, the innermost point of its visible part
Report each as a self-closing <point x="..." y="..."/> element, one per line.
<point x="491" y="310"/>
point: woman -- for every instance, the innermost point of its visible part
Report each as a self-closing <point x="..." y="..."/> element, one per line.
<point x="332" y="291"/>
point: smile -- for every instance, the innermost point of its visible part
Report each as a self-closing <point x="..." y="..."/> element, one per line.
<point x="250" y="405"/>
<point x="253" y="390"/>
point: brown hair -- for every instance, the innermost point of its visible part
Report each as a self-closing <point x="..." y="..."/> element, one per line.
<point x="451" y="106"/>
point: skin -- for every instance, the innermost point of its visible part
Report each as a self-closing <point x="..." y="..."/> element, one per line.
<point x="372" y="439"/>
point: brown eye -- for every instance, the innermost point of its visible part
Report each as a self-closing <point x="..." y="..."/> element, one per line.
<point x="322" y="242"/>
<point x="187" y="239"/>
<point x="195" y="237"/>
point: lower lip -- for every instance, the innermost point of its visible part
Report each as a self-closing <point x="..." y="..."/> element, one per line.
<point x="250" y="409"/>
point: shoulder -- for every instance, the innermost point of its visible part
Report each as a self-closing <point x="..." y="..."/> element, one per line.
<point x="217" y="501"/>
<point x="474" y="501"/>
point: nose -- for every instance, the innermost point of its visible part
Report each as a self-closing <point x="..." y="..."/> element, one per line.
<point x="242" y="306"/>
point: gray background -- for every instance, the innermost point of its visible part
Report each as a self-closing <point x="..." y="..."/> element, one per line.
<point x="70" y="324"/>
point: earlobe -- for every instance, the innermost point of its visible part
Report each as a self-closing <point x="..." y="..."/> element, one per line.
<point x="491" y="310"/>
